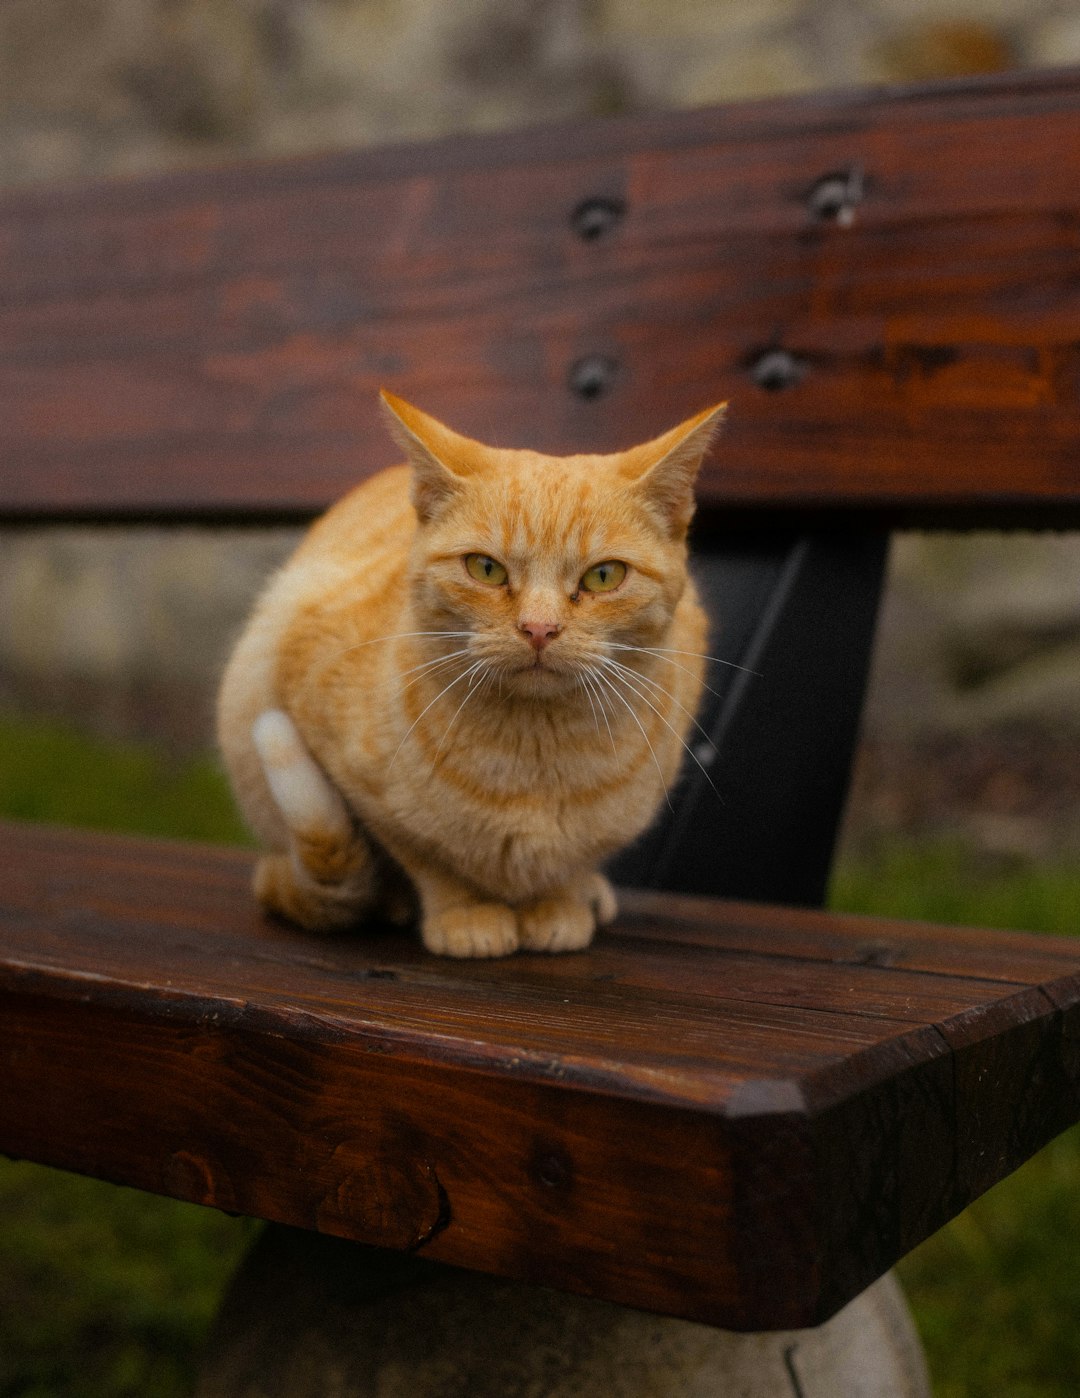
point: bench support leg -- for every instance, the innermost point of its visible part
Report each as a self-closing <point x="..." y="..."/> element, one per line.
<point x="311" y="1317"/>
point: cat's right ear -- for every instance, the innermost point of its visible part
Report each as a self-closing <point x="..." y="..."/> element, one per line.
<point x="429" y="446"/>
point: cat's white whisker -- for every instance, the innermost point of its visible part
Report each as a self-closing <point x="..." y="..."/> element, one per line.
<point x="645" y="700"/>
<point x="666" y="660"/>
<point x="579" y="669"/>
<point x="656" y="761"/>
<point x="475" y="686"/>
<point x="394" y="636"/>
<point x="445" y="690"/>
<point x="661" y="651"/>
<point x="430" y="666"/>
<point x="656" y="685"/>
<point x="399" y="636"/>
<point x="593" y="682"/>
<point x="336" y="655"/>
<point x="436" y="660"/>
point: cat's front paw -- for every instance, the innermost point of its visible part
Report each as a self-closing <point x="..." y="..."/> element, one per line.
<point x="556" y="924"/>
<point x="472" y="929"/>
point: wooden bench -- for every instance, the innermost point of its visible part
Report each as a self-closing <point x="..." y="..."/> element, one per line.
<point x="740" y="1112"/>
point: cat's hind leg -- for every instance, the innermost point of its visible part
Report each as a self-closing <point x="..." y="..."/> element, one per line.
<point x="327" y="878"/>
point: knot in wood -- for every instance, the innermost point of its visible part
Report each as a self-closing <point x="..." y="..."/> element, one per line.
<point x="552" y="1167"/>
<point x="188" y="1176"/>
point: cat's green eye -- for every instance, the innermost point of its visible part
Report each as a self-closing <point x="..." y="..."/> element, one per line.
<point x="604" y="577"/>
<point x="485" y="569"/>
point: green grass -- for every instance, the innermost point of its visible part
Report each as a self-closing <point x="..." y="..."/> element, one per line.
<point x="54" y="773"/>
<point x="107" y="1293"/>
<point x="996" y="1294"/>
<point x="947" y="881"/>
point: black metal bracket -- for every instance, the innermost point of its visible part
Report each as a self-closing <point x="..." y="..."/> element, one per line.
<point x="793" y="628"/>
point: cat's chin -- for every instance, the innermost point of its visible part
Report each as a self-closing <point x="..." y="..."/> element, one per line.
<point x="539" y="681"/>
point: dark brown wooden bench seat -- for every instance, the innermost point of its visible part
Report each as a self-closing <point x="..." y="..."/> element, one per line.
<point x="733" y="1111"/>
<point x="722" y="1111"/>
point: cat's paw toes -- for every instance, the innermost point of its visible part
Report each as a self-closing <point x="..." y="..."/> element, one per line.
<point x="555" y="924"/>
<point x="600" y="896"/>
<point x="474" y="929"/>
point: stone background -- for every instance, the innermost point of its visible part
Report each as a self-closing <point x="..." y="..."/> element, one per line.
<point x="974" y="713"/>
<point x="119" y="86"/>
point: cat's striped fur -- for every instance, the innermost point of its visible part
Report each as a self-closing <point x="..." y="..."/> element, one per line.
<point x="398" y="729"/>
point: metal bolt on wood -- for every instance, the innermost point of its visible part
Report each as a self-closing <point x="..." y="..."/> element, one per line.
<point x="777" y="369"/>
<point x="592" y="376"/>
<point x="835" y="197"/>
<point x="595" y="218"/>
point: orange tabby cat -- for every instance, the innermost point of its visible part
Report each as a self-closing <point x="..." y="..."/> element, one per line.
<point x="477" y="671"/>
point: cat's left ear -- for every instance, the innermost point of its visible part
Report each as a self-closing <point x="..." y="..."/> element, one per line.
<point x="665" y="469"/>
<point x="435" y="453"/>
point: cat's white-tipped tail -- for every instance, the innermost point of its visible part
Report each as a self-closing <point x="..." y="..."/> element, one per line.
<point x="312" y="809"/>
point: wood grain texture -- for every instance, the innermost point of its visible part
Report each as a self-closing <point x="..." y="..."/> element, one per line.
<point x="721" y="1111"/>
<point x="211" y="344"/>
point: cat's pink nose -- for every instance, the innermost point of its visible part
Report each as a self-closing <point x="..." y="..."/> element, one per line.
<point x="539" y="632"/>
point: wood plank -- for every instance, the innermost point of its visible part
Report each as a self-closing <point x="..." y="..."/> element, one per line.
<point x="720" y="1111"/>
<point x="209" y="345"/>
<point x="1014" y="957"/>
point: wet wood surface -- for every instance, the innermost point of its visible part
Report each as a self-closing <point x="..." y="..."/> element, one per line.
<point x="728" y="1112"/>
<point x="884" y="285"/>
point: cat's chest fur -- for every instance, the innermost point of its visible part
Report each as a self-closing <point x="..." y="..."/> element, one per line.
<point x="500" y="795"/>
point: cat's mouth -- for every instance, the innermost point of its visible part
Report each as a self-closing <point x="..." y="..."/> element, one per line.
<point x="537" y="667"/>
<point x="540" y="673"/>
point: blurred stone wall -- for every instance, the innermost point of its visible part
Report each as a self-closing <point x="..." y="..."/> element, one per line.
<point x="117" y="86"/>
<point x="973" y="715"/>
<point x="127" y="630"/>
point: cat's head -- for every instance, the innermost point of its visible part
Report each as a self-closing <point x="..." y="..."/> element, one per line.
<point x="548" y="562"/>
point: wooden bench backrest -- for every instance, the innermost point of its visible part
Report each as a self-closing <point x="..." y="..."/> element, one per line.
<point x="884" y="285"/>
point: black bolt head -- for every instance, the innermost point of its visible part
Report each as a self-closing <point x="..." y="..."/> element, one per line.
<point x="593" y="218"/>
<point x="777" y="369"/>
<point x="835" y="196"/>
<point x="592" y="376"/>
